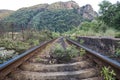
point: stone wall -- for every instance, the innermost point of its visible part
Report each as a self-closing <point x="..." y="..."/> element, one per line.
<point x="101" y="44"/>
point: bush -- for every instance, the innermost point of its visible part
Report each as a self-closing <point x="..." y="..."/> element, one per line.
<point x="117" y="35"/>
<point x="21" y="46"/>
<point x="55" y="34"/>
<point x="33" y="42"/>
<point x="82" y="52"/>
<point x="117" y="52"/>
<point x="81" y="41"/>
<point x="6" y="55"/>
<point x="108" y="74"/>
<point x="64" y="55"/>
<point x="73" y="38"/>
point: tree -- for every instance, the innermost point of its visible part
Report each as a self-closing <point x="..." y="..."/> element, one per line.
<point x="110" y="14"/>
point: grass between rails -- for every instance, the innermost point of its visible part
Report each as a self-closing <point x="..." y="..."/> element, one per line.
<point x="62" y="55"/>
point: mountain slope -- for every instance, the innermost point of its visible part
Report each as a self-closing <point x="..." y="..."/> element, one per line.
<point x="59" y="20"/>
<point x="4" y="13"/>
<point x="59" y="16"/>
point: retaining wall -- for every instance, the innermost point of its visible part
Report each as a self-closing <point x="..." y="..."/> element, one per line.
<point x="101" y="44"/>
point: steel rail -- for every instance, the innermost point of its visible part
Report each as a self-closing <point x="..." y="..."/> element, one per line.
<point x="8" y="66"/>
<point x="114" y="64"/>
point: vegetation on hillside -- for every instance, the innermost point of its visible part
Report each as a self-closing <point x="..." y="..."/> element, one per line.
<point x="58" y="17"/>
<point x="56" y="20"/>
<point x="94" y="28"/>
<point x="107" y="24"/>
<point x="5" y="13"/>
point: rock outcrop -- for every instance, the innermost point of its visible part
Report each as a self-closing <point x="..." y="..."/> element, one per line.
<point x="87" y="12"/>
<point x="64" y="5"/>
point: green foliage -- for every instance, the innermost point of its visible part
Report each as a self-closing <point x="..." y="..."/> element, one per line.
<point x="94" y="28"/>
<point x="72" y="51"/>
<point x="33" y="42"/>
<point x="82" y="52"/>
<point x="6" y="55"/>
<point x="117" y="52"/>
<point x="108" y="74"/>
<point x="64" y="55"/>
<point x="56" y="20"/>
<point x="110" y="14"/>
<point x="20" y="46"/>
<point x="55" y="34"/>
<point x="81" y="41"/>
<point x="73" y="37"/>
<point x="54" y="17"/>
<point x="19" y="19"/>
<point x="33" y="39"/>
<point x="15" y="45"/>
<point x="85" y="26"/>
<point x="117" y="35"/>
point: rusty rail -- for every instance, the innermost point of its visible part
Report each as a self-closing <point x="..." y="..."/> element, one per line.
<point x="8" y="66"/>
<point x="114" y="64"/>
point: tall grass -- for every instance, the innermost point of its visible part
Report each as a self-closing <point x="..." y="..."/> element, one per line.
<point x="90" y="32"/>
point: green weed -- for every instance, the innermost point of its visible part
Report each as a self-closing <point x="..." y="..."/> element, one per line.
<point x="117" y="52"/>
<point x="82" y="52"/>
<point x="81" y="41"/>
<point x="64" y="55"/>
<point x="107" y="73"/>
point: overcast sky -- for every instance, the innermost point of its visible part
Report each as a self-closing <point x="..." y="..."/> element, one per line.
<point x="16" y="4"/>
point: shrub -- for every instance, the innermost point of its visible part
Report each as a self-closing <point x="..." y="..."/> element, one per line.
<point x="64" y="55"/>
<point x="117" y="35"/>
<point x="82" y="52"/>
<point x="55" y="34"/>
<point x="108" y="74"/>
<point x="58" y="51"/>
<point x="117" y="52"/>
<point x="81" y="41"/>
<point x="6" y="55"/>
<point x="33" y="42"/>
<point x="73" y="37"/>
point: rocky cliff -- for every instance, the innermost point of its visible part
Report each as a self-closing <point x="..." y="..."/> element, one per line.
<point x="87" y="12"/>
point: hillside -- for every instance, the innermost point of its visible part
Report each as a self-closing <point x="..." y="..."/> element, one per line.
<point x="59" y="16"/>
<point x="5" y="13"/>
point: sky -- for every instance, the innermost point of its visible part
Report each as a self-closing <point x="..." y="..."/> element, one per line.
<point x="16" y="4"/>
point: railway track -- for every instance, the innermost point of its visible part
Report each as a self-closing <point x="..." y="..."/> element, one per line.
<point x="36" y="64"/>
